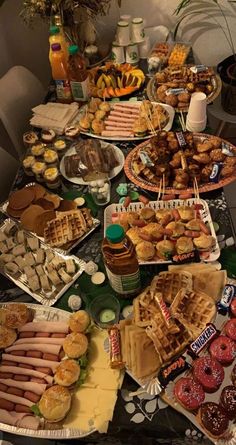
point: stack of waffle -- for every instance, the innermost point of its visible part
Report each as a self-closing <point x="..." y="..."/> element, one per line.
<point x="67" y="227"/>
<point x="170" y="283"/>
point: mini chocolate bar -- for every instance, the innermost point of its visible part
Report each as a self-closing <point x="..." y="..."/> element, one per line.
<point x="202" y="340"/>
<point x="227" y="296"/>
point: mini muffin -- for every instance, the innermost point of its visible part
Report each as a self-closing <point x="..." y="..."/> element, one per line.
<point x="147" y="214"/>
<point x="52" y="177"/>
<point x="79" y="321"/>
<point x="37" y="150"/>
<point x="165" y="249"/>
<point x="55" y="403"/>
<point x="28" y="163"/>
<point x="204" y="242"/>
<point x="184" y="245"/>
<point x="134" y="235"/>
<point x="50" y="157"/>
<point x="67" y="373"/>
<point x="75" y="345"/>
<point x="145" y="251"/>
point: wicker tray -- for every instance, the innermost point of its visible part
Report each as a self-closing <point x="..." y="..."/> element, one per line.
<point x="156" y="205"/>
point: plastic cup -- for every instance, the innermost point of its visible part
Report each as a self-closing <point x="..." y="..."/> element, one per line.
<point x="105" y="310"/>
<point x="132" y="54"/>
<point x="197" y="108"/>
<point x="196" y="127"/>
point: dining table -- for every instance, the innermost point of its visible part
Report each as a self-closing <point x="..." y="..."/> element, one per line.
<point x="138" y="418"/>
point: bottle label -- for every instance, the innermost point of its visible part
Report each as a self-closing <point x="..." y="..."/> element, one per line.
<point x="79" y="90"/>
<point x="63" y="89"/>
<point x="124" y="284"/>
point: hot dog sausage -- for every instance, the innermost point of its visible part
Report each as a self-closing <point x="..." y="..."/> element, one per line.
<point x="204" y="228"/>
<point x="168" y="197"/>
<point x="20" y="353"/>
<point x="186" y="195"/>
<point x="127" y="202"/>
<point x="3" y="387"/>
<point x="37" y="380"/>
<point x="42" y="334"/>
<point x="31" y="396"/>
<point x="22" y="409"/>
<point x="6" y="404"/>
<point x="7" y="363"/>
<point x="58" y="335"/>
<point x="26" y="334"/>
<point x="52" y="357"/>
<point x="25" y="365"/>
<point x="44" y="370"/>
<point x="138" y="223"/>
<point x="143" y="199"/>
<point x="192" y="234"/>
<point x="34" y="354"/>
<point x="176" y="214"/>
<point x="15" y="391"/>
<point x="21" y="378"/>
<point x="6" y="375"/>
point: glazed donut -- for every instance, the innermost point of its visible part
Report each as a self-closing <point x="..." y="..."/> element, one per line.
<point x="233" y="307"/>
<point x="223" y="349"/>
<point x="228" y="401"/>
<point x="213" y="418"/>
<point x="233" y="375"/>
<point x="230" y="329"/>
<point x="209" y="373"/>
<point x="189" y="393"/>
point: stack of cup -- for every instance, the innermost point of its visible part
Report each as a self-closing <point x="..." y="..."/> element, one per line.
<point x="197" y="116"/>
<point x="130" y="44"/>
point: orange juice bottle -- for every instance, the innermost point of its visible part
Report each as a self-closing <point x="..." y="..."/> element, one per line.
<point x="57" y="36"/>
<point x="121" y="262"/>
<point x="59" y="73"/>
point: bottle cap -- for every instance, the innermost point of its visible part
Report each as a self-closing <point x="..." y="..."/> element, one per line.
<point x="115" y="233"/>
<point x="54" y="30"/>
<point x="73" y="49"/>
<point x="56" y="47"/>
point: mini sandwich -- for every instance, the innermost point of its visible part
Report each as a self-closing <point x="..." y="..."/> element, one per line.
<point x="20" y="236"/>
<point x="40" y="256"/>
<point x="11" y="268"/>
<point x="3" y="247"/>
<point x="204" y="242"/>
<point x="6" y="258"/>
<point x="79" y="321"/>
<point x="186" y="213"/>
<point x="19" y="250"/>
<point x="64" y="276"/>
<point x="55" y="403"/>
<point x="145" y="251"/>
<point x="147" y="214"/>
<point x="54" y="278"/>
<point x="67" y="373"/>
<point x="184" y="245"/>
<point x="140" y="127"/>
<point x="10" y="229"/>
<point x="29" y="259"/>
<point x="33" y="243"/>
<point x="84" y="124"/>
<point x="34" y="283"/>
<point x="29" y="271"/>
<point x="45" y="283"/>
<point x="40" y="270"/>
<point x="10" y="243"/>
<point x="165" y="249"/>
<point x="19" y="260"/>
<point x="2" y="236"/>
<point x="70" y="266"/>
<point x="177" y="228"/>
<point x="193" y="224"/>
<point x="75" y="345"/>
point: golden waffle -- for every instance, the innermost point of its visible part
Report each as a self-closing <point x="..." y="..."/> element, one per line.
<point x="87" y="217"/>
<point x="169" y="284"/>
<point x="146" y="309"/>
<point x="194" y="309"/>
<point x="63" y="229"/>
<point x="166" y="344"/>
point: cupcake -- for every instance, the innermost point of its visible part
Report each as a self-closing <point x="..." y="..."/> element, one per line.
<point x="60" y="147"/>
<point x="38" y="169"/>
<point x="30" y="138"/>
<point x="72" y="131"/>
<point x="52" y="177"/>
<point x="48" y="136"/>
<point x="37" y="150"/>
<point x="50" y="157"/>
<point x="28" y="162"/>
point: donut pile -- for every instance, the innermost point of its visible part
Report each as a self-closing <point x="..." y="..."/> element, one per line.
<point x="207" y="376"/>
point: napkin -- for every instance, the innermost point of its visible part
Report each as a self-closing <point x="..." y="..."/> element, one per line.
<point x="54" y="116"/>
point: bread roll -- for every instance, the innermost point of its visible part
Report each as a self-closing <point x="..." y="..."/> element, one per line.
<point x="67" y="373"/>
<point x="75" y="345"/>
<point x="79" y="321"/>
<point x="55" y="403"/>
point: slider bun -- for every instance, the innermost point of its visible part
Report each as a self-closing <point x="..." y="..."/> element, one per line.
<point x="184" y="245"/>
<point x="145" y="250"/>
<point x="147" y="213"/>
<point x="204" y="242"/>
<point x="7" y="336"/>
<point x="17" y="315"/>
<point x="165" y="249"/>
<point x="55" y="403"/>
<point x="79" y="321"/>
<point x="133" y="234"/>
<point x="67" y="373"/>
<point x="75" y="345"/>
<point x="186" y="213"/>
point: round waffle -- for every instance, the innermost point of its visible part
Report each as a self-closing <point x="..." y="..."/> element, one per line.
<point x="21" y="198"/>
<point x="29" y="217"/>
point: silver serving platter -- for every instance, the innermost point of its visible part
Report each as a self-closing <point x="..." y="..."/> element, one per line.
<point x="45" y="298"/>
<point x="49" y="314"/>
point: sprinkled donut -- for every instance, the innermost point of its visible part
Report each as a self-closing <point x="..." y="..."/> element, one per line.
<point x="223" y="349"/>
<point x="230" y="329"/>
<point x="213" y="419"/>
<point x="228" y="401"/>
<point x="233" y="307"/>
<point x="189" y="393"/>
<point x="233" y="375"/>
<point x="208" y="372"/>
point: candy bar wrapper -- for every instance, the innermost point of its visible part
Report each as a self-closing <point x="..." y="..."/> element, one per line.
<point x="173" y="328"/>
<point x="228" y="294"/>
<point x="115" y="348"/>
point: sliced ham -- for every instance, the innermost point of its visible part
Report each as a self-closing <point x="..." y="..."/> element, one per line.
<point x="114" y="123"/>
<point x="36" y="388"/>
<point x="15" y="370"/>
<point x="45" y="326"/>
<point x="123" y="115"/>
<point x="134" y="109"/>
<point x="15" y="399"/>
<point x="21" y="420"/>
<point x="41" y="340"/>
<point x="121" y="119"/>
<point x="113" y="128"/>
<point x="53" y="349"/>
<point x="36" y="362"/>
<point x="116" y="133"/>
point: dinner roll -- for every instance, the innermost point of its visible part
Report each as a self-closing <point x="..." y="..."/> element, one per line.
<point x="79" y="321"/>
<point x="17" y="315"/>
<point x="75" y="345"/>
<point x="55" y="403"/>
<point x="67" y="373"/>
<point x="145" y="251"/>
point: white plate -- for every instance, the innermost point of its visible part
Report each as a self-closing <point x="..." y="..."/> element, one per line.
<point x="112" y="173"/>
<point x="47" y="314"/>
<point x="170" y="110"/>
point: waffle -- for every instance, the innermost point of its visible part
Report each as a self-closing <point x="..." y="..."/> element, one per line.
<point x="145" y="309"/>
<point x="87" y="217"/>
<point x="194" y="309"/>
<point x="64" y="229"/>
<point x="166" y="344"/>
<point x="170" y="283"/>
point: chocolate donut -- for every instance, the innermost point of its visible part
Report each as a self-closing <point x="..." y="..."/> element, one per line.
<point x="189" y="393"/>
<point x="208" y="372"/>
<point x="213" y="418"/>
<point x="230" y="329"/>
<point x="228" y="401"/>
<point x="233" y="307"/>
<point x="233" y="375"/>
<point x="223" y="349"/>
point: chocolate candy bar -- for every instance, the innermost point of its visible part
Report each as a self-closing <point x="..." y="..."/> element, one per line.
<point x="202" y="340"/>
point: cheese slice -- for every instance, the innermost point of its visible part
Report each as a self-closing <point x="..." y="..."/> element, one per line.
<point x="102" y="378"/>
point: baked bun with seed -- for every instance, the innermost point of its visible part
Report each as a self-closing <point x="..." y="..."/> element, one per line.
<point x="75" y="344"/>
<point x="55" y="403"/>
<point x="67" y="373"/>
<point x="79" y="321"/>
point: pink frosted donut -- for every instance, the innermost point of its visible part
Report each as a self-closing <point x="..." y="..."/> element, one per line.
<point x="223" y="349"/>
<point x="189" y="393"/>
<point x="208" y="372"/>
<point x="233" y="375"/>
<point x="233" y="307"/>
<point x="228" y="401"/>
<point x="230" y="329"/>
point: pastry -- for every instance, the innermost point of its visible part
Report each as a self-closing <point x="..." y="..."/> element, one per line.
<point x="204" y="242"/>
<point x="55" y="403"/>
<point x="7" y="336"/>
<point x="213" y="419"/>
<point x="209" y="373"/>
<point x="189" y="393"/>
<point x="230" y="329"/>
<point x="47" y="136"/>
<point x="50" y="157"/>
<point x="38" y="170"/>
<point x="79" y="321"/>
<point x="75" y="345"/>
<point x="60" y="147"/>
<point x="67" y="373"/>
<point x="52" y="177"/>
<point x="145" y="251"/>
<point x="37" y="150"/>
<point x="223" y="349"/>
<point x="228" y="401"/>
<point x="148" y="214"/>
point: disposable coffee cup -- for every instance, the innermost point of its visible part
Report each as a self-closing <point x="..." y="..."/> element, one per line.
<point x="117" y="53"/>
<point x="197" y="108"/>
<point x="196" y="127"/>
<point x="137" y="30"/>
<point x="132" y="54"/>
<point x="125" y="18"/>
<point x="123" y="33"/>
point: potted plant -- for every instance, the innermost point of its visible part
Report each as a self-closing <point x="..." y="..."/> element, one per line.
<point x="218" y="12"/>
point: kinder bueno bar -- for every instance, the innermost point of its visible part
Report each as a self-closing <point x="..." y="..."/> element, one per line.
<point x="227" y="296"/>
<point x="202" y="340"/>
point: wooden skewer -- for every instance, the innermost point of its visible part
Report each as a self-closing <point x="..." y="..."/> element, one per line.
<point x="149" y="122"/>
<point x="183" y="120"/>
<point x="159" y="192"/>
<point x="163" y="181"/>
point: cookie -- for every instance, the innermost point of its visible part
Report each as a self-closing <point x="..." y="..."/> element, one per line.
<point x="21" y="198"/>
